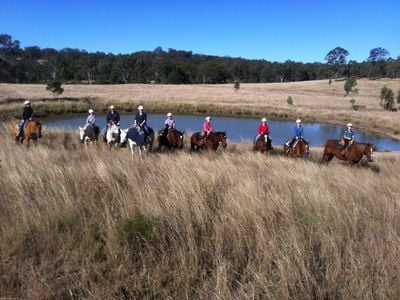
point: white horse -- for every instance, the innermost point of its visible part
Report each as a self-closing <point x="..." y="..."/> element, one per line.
<point x="88" y="134"/>
<point x="112" y="135"/>
<point x="134" y="136"/>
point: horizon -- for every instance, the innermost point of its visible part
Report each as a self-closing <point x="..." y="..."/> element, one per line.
<point x="259" y="31"/>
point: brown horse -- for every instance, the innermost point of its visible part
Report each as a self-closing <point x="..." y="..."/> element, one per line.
<point x="263" y="143"/>
<point x="300" y="148"/>
<point x="173" y="139"/>
<point x="32" y="131"/>
<point x="352" y="155"/>
<point x="211" y="142"/>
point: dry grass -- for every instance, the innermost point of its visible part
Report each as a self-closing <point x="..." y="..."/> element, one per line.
<point x="315" y="101"/>
<point x="77" y="223"/>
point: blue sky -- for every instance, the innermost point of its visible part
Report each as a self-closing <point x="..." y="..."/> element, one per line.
<point x="274" y="30"/>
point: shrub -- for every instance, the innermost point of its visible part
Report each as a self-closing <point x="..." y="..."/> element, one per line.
<point x="387" y="98"/>
<point x="134" y="230"/>
<point x="54" y="86"/>
<point x="330" y="81"/>
<point x="236" y="85"/>
<point x="349" y="85"/>
<point x="352" y="102"/>
<point x="289" y="100"/>
<point x="398" y="97"/>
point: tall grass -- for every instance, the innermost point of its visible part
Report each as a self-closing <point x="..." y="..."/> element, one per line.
<point x="95" y="223"/>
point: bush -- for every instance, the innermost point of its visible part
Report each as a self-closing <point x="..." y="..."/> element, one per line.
<point x="54" y="86"/>
<point x="289" y="100"/>
<point x="135" y="230"/>
<point x="398" y="97"/>
<point x="236" y="85"/>
<point x="352" y="102"/>
<point x="387" y="98"/>
<point x="349" y="85"/>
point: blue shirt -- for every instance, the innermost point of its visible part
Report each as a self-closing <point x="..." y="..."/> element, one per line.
<point x="348" y="134"/>
<point x="91" y="119"/>
<point x="298" y="131"/>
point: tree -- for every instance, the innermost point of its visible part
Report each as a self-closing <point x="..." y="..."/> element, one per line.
<point x="378" y="54"/>
<point x="336" y="58"/>
<point x="349" y="85"/>
<point x="387" y="98"/>
<point x="236" y="85"/>
<point x="54" y="86"/>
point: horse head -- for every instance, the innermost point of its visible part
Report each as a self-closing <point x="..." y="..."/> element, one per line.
<point x="81" y="133"/>
<point x="223" y="139"/>
<point x="368" y="151"/>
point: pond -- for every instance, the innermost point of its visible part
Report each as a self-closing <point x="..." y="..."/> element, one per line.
<point x="240" y="129"/>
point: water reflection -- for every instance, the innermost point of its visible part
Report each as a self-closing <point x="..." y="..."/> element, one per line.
<point x="241" y="129"/>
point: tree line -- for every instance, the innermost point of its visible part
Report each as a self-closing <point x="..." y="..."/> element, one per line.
<point x="36" y="65"/>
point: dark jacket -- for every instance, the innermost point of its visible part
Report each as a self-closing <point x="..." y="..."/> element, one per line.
<point x="27" y="113"/>
<point x="112" y="117"/>
<point x="140" y="118"/>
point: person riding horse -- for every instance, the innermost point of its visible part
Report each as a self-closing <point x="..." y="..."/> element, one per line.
<point x="298" y="134"/>
<point x="169" y="123"/>
<point x="348" y="138"/>
<point x="141" y="121"/>
<point x="262" y="129"/>
<point x="91" y="121"/>
<point x="112" y="118"/>
<point x="207" y="129"/>
<point x="26" y="115"/>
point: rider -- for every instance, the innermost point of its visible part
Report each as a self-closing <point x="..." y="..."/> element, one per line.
<point x="112" y="118"/>
<point x="348" y="137"/>
<point x="169" y="123"/>
<point x="141" y="120"/>
<point x="262" y="129"/>
<point x="91" y="119"/>
<point x="298" y="134"/>
<point x="207" y="129"/>
<point x="26" y="115"/>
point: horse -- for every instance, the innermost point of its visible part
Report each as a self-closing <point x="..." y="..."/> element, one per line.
<point x="352" y="155"/>
<point x="300" y="148"/>
<point x="90" y="134"/>
<point x="211" y="142"/>
<point x="32" y="131"/>
<point x="173" y="139"/>
<point x="135" y="137"/>
<point x="112" y="135"/>
<point x="263" y="143"/>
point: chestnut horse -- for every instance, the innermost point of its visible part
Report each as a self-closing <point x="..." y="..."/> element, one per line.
<point x="263" y="143"/>
<point x="173" y="139"/>
<point x="352" y="155"/>
<point x="300" y="148"/>
<point x="211" y="142"/>
<point x="32" y="131"/>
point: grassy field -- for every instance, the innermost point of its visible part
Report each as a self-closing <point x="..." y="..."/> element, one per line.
<point x="314" y="101"/>
<point x="93" y="223"/>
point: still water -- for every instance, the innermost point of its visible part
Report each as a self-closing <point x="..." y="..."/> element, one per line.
<point x="239" y="129"/>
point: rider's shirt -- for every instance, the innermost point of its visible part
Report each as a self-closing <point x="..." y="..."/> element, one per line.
<point x="348" y="134"/>
<point x="170" y="123"/>
<point x="112" y="117"/>
<point x="140" y="117"/>
<point x="207" y="127"/>
<point x="263" y="129"/>
<point x="91" y="119"/>
<point x="27" y="113"/>
<point x="298" y="131"/>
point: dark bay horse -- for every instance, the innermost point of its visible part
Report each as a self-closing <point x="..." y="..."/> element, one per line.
<point x="263" y="143"/>
<point x="211" y="142"/>
<point x="32" y="131"/>
<point x="173" y="139"/>
<point x="300" y="148"/>
<point x="352" y="155"/>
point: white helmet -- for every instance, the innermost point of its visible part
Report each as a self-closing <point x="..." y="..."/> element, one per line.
<point x="208" y="119"/>
<point x="27" y="102"/>
<point x="140" y="107"/>
<point x="90" y="111"/>
<point x="111" y="106"/>
<point x="349" y="125"/>
<point x="169" y="115"/>
<point x="298" y="121"/>
<point x="264" y="120"/>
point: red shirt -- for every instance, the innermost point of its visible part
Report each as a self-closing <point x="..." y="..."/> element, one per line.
<point x="262" y="129"/>
<point x="207" y="127"/>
